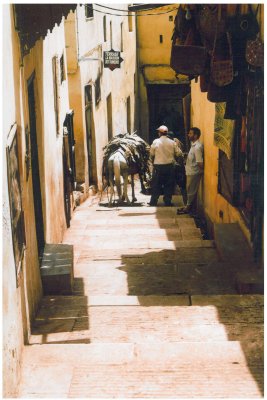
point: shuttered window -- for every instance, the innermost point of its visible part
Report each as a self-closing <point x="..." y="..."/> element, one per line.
<point x="89" y="11"/>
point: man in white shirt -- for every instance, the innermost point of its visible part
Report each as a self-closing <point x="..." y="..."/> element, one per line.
<point x="194" y="169"/>
<point x="163" y="150"/>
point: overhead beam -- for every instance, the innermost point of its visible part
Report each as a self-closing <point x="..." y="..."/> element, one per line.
<point x="147" y="6"/>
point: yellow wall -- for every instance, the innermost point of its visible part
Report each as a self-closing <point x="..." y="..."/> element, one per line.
<point x="75" y="97"/>
<point x="202" y="116"/>
<point x="153" y="56"/>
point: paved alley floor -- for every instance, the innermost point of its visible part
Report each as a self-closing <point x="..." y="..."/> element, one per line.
<point x="154" y="314"/>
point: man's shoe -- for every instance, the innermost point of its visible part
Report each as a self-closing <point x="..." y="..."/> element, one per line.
<point x="183" y="210"/>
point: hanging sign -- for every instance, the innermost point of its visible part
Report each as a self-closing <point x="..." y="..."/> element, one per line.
<point x="112" y="59"/>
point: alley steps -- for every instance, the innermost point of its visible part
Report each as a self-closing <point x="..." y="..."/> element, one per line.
<point x="140" y="319"/>
<point x="144" y="369"/>
<point x="154" y="313"/>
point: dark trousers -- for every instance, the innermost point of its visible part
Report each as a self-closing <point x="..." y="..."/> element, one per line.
<point x="163" y="180"/>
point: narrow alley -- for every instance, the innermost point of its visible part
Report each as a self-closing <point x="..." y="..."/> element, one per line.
<point x="154" y="313"/>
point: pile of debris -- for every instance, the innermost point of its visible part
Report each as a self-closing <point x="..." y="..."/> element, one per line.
<point x="134" y="149"/>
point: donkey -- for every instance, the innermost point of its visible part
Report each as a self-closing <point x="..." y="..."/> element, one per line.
<point x="117" y="167"/>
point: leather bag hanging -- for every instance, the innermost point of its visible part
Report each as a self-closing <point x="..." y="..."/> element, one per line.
<point x="218" y="94"/>
<point x="221" y="70"/>
<point x="255" y="52"/>
<point x="188" y="60"/>
<point x="208" y="24"/>
<point x="182" y="24"/>
<point x="204" y="83"/>
<point x="191" y="58"/>
<point x="243" y="26"/>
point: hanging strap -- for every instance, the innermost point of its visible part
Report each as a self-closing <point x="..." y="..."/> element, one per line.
<point x="251" y="10"/>
<point x="216" y="34"/>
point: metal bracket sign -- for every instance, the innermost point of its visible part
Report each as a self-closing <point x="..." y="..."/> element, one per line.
<point x="112" y="59"/>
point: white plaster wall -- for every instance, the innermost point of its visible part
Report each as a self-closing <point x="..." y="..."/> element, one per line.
<point x="54" y="44"/>
<point x="120" y="82"/>
<point x="49" y="142"/>
<point x="12" y="314"/>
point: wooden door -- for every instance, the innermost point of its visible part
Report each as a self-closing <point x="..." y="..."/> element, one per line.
<point x="37" y="196"/>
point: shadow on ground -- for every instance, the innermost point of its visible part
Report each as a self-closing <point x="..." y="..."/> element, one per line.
<point x="61" y="318"/>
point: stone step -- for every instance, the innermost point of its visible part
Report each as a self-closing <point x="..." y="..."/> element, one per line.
<point x="182" y="252"/>
<point x="149" y="231"/>
<point x="141" y="319"/>
<point x="136" y="246"/>
<point x="231" y="243"/>
<point x="132" y="223"/>
<point x="157" y="370"/>
<point x="132" y="235"/>
<point x="143" y="277"/>
<point x="175" y="354"/>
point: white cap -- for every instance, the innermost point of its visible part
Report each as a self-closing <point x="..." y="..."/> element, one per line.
<point x="162" y="128"/>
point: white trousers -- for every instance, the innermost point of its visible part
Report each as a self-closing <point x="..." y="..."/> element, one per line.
<point x="192" y="185"/>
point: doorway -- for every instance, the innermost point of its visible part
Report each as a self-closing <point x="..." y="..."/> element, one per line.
<point x="37" y="196"/>
<point x="165" y="104"/>
<point x="90" y="136"/>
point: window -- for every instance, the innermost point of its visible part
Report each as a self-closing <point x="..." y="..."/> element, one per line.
<point x="89" y="11"/>
<point x="130" y="22"/>
<point x="105" y="28"/>
<point x="62" y="69"/>
<point x="121" y="37"/>
<point x="110" y="28"/>
<point x="56" y="90"/>
<point x="97" y="90"/>
<point x="88" y="94"/>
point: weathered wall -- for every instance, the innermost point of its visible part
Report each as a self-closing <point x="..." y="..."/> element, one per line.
<point x="49" y="142"/>
<point x="12" y="304"/>
<point x="20" y="304"/>
<point x="153" y="56"/>
<point x="75" y="97"/>
<point x="120" y="82"/>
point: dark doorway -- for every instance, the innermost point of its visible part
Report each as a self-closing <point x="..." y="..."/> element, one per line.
<point x="68" y="123"/>
<point x="90" y="136"/>
<point x="37" y="197"/>
<point x="69" y="165"/>
<point x="165" y="104"/>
